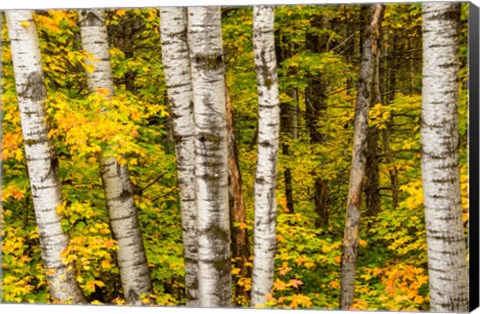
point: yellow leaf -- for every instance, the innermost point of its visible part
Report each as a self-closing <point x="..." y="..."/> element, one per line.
<point x="60" y="209"/>
<point x="301" y="300"/>
<point x="25" y="23"/>
<point x="99" y="283"/>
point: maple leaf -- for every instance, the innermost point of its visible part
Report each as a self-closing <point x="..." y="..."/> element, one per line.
<point x="279" y="285"/>
<point x="295" y="283"/>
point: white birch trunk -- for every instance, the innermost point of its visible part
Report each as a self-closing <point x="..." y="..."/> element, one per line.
<point x="268" y="141"/>
<point x="447" y="262"/>
<point x="41" y="160"/>
<point x="176" y="65"/>
<point x="131" y="256"/>
<point x="211" y="167"/>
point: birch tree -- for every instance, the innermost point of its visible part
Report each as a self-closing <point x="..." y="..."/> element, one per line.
<point x="176" y="65"/>
<point x="42" y="163"/>
<point x="211" y="168"/>
<point x="447" y="262"/>
<point x="131" y="256"/>
<point x="268" y="138"/>
<point x="357" y="172"/>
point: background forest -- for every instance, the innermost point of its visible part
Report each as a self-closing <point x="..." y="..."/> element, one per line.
<point x="318" y="51"/>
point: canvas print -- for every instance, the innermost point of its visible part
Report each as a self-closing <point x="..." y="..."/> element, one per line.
<point x="267" y="156"/>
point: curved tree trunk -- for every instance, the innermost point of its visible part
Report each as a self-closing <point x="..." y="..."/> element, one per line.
<point x="268" y="138"/>
<point x="211" y="164"/>
<point x="131" y="256"/>
<point x="176" y="65"/>
<point x="447" y="262"/>
<point x="357" y="173"/>
<point x="41" y="160"/>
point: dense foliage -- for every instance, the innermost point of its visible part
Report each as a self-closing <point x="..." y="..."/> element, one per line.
<point x="392" y="262"/>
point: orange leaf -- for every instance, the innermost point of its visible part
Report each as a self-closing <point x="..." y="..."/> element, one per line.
<point x="334" y="284"/>
<point x="295" y="283"/>
<point x="103" y="91"/>
<point x="279" y="285"/>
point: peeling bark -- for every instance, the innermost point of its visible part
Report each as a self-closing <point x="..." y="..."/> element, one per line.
<point x="173" y="25"/>
<point x="42" y="163"/>
<point x="268" y="142"/>
<point x="211" y="156"/>
<point x="131" y="257"/>
<point x="447" y="261"/>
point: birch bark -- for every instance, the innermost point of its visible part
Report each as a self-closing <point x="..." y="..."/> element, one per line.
<point x="131" y="256"/>
<point x="447" y="262"/>
<point x="41" y="160"/>
<point x="176" y="65"/>
<point x="211" y="165"/>
<point x="268" y="138"/>
<point x="357" y="172"/>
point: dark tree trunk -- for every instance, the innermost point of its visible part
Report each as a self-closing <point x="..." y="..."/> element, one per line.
<point x="391" y="67"/>
<point x="316" y="106"/>
<point x="372" y="183"/>
<point x="289" y="123"/>
<point x="240" y="246"/>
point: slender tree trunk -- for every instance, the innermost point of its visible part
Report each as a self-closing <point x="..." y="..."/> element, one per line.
<point x="211" y="156"/>
<point x="41" y="160"/>
<point x="316" y="106"/>
<point x="240" y="245"/>
<point x="372" y="184"/>
<point x="357" y="173"/>
<point x="391" y="67"/>
<point x="268" y="138"/>
<point x="392" y="171"/>
<point x="447" y="262"/>
<point x="131" y="256"/>
<point x="176" y="65"/>
<point x="289" y="124"/>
